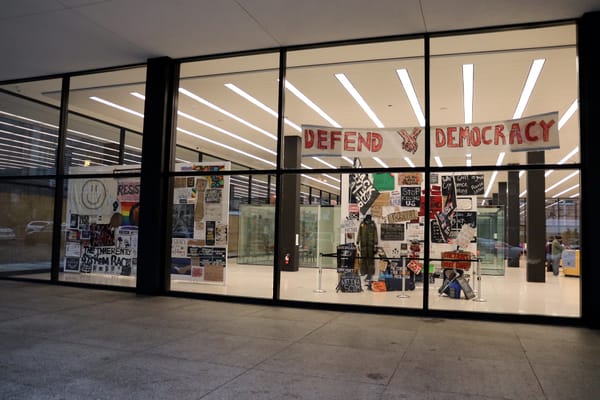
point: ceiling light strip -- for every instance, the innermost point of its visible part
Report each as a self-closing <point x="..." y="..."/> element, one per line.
<point x="225" y="146"/>
<point x="36" y="131"/>
<point x="225" y="112"/>
<point x="320" y="181"/>
<point x="412" y="95"/>
<point x="310" y="103"/>
<point x="467" y="70"/>
<point x="14" y="164"/>
<point x="29" y="119"/>
<point x="534" y="73"/>
<point x="565" y="191"/>
<point x="259" y="104"/>
<point x="225" y="132"/>
<point x="99" y="159"/>
<point x="118" y="107"/>
<point x="6" y="154"/>
<point x="566" y="178"/>
<point x="49" y="152"/>
<point x="33" y="140"/>
<point x="18" y="155"/>
<point x="568" y="114"/>
<point x="343" y="79"/>
<point x="494" y="174"/>
<point x="380" y="162"/>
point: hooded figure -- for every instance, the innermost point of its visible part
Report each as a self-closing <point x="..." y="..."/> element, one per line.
<point x="367" y="242"/>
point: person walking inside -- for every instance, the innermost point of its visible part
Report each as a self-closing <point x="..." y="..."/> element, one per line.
<point x="557" y="249"/>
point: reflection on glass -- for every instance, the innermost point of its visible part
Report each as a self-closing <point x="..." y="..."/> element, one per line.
<point x="28" y="136"/>
<point x="26" y="228"/>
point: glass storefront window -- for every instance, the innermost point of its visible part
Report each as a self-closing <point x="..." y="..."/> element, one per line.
<point x="100" y="233"/>
<point x="357" y="105"/>
<point x="223" y="229"/>
<point x="105" y="112"/>
<point x="505" y="99"/>
<point x="497" y="96"/>
<point x="385" y="249"/>
<point x="26" y="227"/>
<point x="28" y="129"/>
<point x="227" y="109"/>
<point x="91" y="143"/>
<point x="132" y="152"/>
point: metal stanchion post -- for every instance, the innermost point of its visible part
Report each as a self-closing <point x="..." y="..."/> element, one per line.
<point x="479" y="298"/>
<point x="403" y="277"/>
<point x="319" y="285"/>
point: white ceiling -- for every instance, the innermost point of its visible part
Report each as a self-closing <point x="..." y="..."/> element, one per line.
<point x="45" y="37"/>
<point x="42" y="37"/>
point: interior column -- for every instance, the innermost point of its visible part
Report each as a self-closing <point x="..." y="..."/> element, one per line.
<point x="536" y="219"/>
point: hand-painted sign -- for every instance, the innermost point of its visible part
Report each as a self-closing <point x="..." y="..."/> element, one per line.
<point x="538" y="132"/>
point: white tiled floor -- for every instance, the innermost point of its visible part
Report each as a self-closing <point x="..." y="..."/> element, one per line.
<point x="511" y="293"/>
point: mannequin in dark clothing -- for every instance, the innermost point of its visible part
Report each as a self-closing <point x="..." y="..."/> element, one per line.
<point x="367" y="242"/>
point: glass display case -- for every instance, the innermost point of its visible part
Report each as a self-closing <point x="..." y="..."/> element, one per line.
<point x="256" y="234"/>
<point x="490" y="240"/>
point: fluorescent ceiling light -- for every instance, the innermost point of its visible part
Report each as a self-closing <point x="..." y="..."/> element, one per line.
<point x="494" y="174"/>
<point x="500" y="158"/>
<point x="29" y="120"/>
<point x="534" y="73"/>
<point x="261" y="105"/>
<point x="568" y="114"/>
<point x="323" y="162"/>
<point x="409" y="162"/>
<point x="138" y="95"/>
<point x="331" y="177"/>
<point x="18" y="155"/>
<point x="348" y="160"/>
<point x="380" y="162"/>
<point x="565" y="191"/>
<point x="412" y="96"/>
<point x="562" y="181"/>
<point x="48" y="152"/>
<point x="230" y="148"/>
<point x="225" y="132"/>
<point x="568" y="156"/>
<point x="309" y="103"/>
<point x="489" y="187"/>
<point x="225" y="112"/>
<point x="118" y="107"/>
<point x="468" y="159"/>
<point x="320" y="181"/>
<point x="49" y="142"/>
<point x="438" y="161"/>
<point x="36" y="131"/>
<point x="563" y="160"/>
<point x="359" y="99"/>
<point x="468" y="92"/>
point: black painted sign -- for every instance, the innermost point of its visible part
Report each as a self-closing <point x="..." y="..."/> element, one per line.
<point x="392" y="232"/>
<point x="410" y="196"/>
<point x="464" y="217"/>
<point x="464" y="185"/>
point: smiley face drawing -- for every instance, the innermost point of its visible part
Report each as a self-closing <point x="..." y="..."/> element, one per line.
<point x="93" y="194"/>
